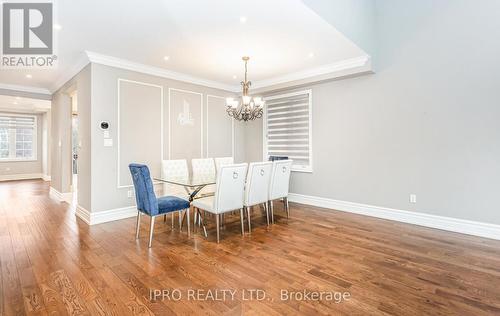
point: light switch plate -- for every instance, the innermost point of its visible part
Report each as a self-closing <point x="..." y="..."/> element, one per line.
<point x="106" y="134"/>
<point x="108" y="142"/>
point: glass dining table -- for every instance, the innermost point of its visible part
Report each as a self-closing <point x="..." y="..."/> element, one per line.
<point x="193" y="185"/>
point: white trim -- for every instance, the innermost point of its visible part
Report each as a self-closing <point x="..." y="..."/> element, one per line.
<point x="232" y="126"/>
<point x="26" y="176"/>
<point x="61" y="197"/>
<point x="25" y="89"/>
<point x="328" y="71"/>
<point x="46" y="177"/>
<point x="309" y="168"/>
<point x="155" y="71"/>
<point x="422" y="219"/>
<point x="170" y="120"/>
<point x="94" y="218"/>
<point x="77" y="66"/>
<point x="119" y="186"/>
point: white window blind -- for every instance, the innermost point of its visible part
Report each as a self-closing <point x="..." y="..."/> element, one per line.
<point x="287" y="128"/>
<point x="17" y="137"/>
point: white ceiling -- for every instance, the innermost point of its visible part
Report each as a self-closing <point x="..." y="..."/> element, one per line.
<point x="20" y="104"/>
<point x="204" y="39"/>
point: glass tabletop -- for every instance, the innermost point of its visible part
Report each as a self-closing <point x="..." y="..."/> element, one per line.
<point x="191" y="181"/>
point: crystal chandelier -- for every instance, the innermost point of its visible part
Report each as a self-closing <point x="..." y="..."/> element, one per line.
<point x="245" y="108"/>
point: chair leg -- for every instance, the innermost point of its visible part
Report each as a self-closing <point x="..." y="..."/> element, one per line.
<point x="248" y="219"/>
<point x="195" y="217"/>
<point x="151" y="229"/>
<point x="188" y="224"/>
<point x="138" y="225"/>
<point x="202" y="221"/>
<point x="267" y="213"/>
<point x="287" y="208"/>
<point x="165" y="218"/>
<point x="172" y="219"/>
<point x="242" y="224"/>
<point x="180" y="219"/>
<point x="272" y="211"/>
<point x="218" y="226"/>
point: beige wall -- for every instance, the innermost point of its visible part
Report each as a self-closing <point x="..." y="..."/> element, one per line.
<point x="426" y="123"/>
<point x="9" y="168"/>
<point x="61" y="111"/>
<point x="139" y="98"/>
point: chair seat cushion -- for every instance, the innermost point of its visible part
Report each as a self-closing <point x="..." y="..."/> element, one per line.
<point x="206" y="204"/>
<point x="168" y="204"/>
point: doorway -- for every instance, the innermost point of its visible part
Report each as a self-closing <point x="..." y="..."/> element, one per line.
<point x="74" y="145"/>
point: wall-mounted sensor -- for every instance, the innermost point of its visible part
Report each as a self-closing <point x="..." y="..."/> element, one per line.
<point x="104" y="125"/>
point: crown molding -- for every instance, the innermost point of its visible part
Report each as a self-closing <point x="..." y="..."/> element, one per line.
<point x="325" y="72"/>
<point x="155" y="71"/>
<point x="27" y="89"/>
<point x="82" y="61"/>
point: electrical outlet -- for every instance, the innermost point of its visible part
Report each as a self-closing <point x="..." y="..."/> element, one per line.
<point x="130" y="193"/>
<point x="413" y="198"/>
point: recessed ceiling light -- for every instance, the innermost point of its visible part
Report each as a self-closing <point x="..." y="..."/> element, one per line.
<point x="166" y="58"/>
<point x="15" y="103"/>
<point x="57" y="26"/>
<point x="29" y="76"/>
<point x="310" y="55"/>
<point x="18" y="98"/>
<point x="234" y="77"/>
<point x="243" y="19"/>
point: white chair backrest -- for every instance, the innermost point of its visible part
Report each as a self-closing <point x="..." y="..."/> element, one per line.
<point x="229" y="188"/>
<point x="280" y="179"/>
<point x="203" y="166"/>
<point x="219" y="162"/>
<point x="174" y="169"/>
<point x="258" y="181"/>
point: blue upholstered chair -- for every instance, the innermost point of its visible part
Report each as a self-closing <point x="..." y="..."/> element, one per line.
<point x="148" y="204"/>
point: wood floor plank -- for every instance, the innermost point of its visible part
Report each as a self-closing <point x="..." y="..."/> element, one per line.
<point x="53" y="263"/>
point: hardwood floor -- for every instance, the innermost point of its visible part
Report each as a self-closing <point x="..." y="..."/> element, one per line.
<point x="53" y="263"/>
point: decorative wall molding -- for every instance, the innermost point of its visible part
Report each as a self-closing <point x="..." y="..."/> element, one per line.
<point x="26" y="176"/>
<point x="162" y="129"/>
<point x="232" y="125"/>
<point x="94" y="218"/>
<point x="422" y="219"/>
<point x="170" y="119"/>
<point x="154" y="71"/>
<point x="61" y="197"/>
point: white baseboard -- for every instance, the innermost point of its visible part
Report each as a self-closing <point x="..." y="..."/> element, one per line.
<point x="27" y="176"/>
<point x="93" y="218"/>
<point x="423" y="219"/>
<point x="61" y="197"/>
<point x="46" y="177"/>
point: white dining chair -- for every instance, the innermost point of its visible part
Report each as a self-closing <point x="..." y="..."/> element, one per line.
<point x="221" y="161"/>
<point x="174" y="169"/>
<point x="228" y="194"/>
<point x="279" y="185"/>
<point x="204" y="168"/>
<point x="257" y="188"/>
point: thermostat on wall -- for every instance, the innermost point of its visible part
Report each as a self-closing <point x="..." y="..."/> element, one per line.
<point x="104" y="125"/>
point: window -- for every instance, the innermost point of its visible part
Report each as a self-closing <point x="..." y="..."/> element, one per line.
<point x="287" y="128"/>
<point x="17" y="137"/>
